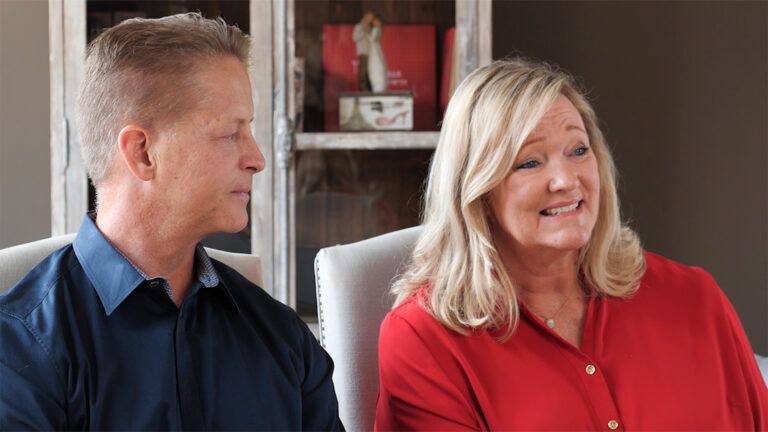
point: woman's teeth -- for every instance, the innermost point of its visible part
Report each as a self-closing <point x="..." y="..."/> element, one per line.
<point x="561" y="210"/>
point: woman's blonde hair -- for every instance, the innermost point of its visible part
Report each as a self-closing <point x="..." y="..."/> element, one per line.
<point x="488" y="118"/>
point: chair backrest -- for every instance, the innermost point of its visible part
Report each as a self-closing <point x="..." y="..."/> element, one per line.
<point x="352" y="283"/>
<point x="17" y="261"/>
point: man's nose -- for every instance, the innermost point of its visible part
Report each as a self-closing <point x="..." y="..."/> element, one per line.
<point x="253" y="159"/>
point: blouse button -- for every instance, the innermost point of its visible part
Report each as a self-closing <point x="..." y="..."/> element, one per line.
<point x="591" y="371"/>
<point x="154" y="284"/>
<point x="613" y="425"/>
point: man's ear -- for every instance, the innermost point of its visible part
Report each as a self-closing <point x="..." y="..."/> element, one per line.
<point x="133" y="143"/>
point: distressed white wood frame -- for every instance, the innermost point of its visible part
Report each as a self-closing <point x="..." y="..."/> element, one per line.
<point x="262" y="83"/>
<point x="69" y="183"/>
<point x="474" y="31"/>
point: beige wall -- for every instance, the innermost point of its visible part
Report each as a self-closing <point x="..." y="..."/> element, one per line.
<point x="682" y="91"/>
<point x="25" y="192"/>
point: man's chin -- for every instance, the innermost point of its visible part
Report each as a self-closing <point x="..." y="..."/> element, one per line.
<point x="235" y="227"/>
<point x="229" y="224"/>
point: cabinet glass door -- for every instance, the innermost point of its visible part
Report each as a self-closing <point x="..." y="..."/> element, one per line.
<point x="359" y="172"/>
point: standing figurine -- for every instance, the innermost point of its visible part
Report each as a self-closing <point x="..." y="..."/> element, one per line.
<point x="363" y="48"/>
<point x="372" y="68"/>
<point x="377" y="64"/>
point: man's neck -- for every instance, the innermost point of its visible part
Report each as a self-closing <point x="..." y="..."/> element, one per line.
<point x="153" y="243"/>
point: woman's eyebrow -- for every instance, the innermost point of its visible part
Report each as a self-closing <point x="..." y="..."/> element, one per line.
<point x="574" y="127"/>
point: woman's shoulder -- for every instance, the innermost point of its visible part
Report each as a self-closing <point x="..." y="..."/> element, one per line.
<point x="411" y="319"/>
<point x="659" y="267"/>
<point x="413" y="312"/>
<point x="672" y="277"/>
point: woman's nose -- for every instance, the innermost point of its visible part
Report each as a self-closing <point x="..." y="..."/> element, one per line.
<point x="563" y="178"/>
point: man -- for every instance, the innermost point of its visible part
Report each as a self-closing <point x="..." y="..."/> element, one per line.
<point x="133" y="326"/>
<point x="361" y="34"/>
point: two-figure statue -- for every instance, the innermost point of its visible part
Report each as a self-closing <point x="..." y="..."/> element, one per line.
<point x="372" y="69"/>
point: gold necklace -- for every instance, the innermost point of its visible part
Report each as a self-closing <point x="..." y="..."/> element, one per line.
<point x="550" y="321"/>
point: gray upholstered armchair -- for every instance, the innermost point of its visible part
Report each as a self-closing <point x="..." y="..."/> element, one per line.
<point x="16" y="261"/>
<point x="352" y="298"/>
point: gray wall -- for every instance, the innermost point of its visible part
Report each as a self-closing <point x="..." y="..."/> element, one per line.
<point x="25" y="191"/>
<point x="682" y="92"/>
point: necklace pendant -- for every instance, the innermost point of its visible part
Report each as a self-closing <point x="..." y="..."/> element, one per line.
<point x="550" y="323"/>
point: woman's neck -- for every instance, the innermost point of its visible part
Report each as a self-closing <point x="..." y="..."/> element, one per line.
<point x="549" y="285"/>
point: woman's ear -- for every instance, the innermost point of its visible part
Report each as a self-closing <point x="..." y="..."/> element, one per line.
<point x="133" y="143"/>
<point x="488" y="208"/>
<point x="486" y="202"/>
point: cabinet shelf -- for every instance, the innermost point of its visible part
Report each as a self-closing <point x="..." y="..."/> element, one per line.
<point x="366" y="140"/>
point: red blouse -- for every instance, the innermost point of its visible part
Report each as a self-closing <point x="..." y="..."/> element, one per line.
<point x="673" y="357"/>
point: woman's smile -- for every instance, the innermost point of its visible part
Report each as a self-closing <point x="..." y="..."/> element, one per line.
<point x="563" y="209"/>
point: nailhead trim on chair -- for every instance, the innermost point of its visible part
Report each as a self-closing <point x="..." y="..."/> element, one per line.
<point x="320" y="322"/>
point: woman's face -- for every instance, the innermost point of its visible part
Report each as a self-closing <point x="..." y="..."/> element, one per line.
<point x="550" y="199"/>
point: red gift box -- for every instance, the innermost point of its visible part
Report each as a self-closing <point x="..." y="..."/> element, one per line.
<point x="410" y="54"/>
<point x="448" y="77"/>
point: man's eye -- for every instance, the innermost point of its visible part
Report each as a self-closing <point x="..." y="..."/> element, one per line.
<point x="581" y="151"/>
<point x="528" y="164"/>
<point x="232" y="136"/>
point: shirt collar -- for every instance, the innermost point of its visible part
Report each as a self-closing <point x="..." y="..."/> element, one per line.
<point x="115" y="277"/>
<point x="208" y="276"/>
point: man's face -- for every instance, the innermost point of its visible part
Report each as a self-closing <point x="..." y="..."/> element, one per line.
<point x="205" y="159"/>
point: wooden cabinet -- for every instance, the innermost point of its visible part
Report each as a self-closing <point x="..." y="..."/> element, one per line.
<point x="320" y="188"/>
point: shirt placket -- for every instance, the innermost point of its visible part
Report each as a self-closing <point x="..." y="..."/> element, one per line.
<point x="188" y="390"/>
<point x="596" y="387"/>
<point x="604" y="410"/>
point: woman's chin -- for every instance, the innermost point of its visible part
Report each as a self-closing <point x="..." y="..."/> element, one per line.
<point x="569" y="243"/>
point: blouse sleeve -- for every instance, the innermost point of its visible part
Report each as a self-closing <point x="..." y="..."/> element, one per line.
<point x="757" y="393"/>
<point x="415" y="392"/>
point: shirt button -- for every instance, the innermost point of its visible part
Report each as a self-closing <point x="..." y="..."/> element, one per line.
<point x="154" y="284"/>
<point x="591" y="370"/>
<point x="613" y="425"/>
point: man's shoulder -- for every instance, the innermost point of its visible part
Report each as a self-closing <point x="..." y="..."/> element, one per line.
<point x="252" y="297"/>
<point x="32" y="313"/>
<point x="31" y="291"/>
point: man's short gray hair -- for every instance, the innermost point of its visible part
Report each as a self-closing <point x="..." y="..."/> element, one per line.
<point x="139" y="72"/>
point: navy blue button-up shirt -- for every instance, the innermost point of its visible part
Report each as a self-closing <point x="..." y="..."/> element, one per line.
<point x="88" y="342"/>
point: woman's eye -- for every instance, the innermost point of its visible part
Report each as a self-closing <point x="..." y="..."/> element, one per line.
<point x="581" y="151"/>
<point x="232" y="136"/>
<point x="528" y="164"/>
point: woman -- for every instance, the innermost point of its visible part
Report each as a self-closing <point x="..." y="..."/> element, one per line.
<point x="377" y="63"/>
<point x="528" y="305"/>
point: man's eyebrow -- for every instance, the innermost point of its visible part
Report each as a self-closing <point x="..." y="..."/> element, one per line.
<point x="240" y="121"/>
